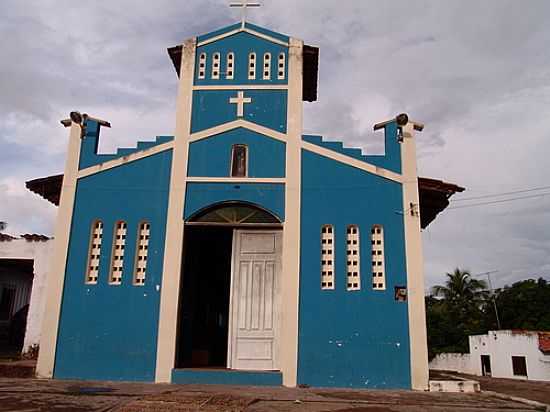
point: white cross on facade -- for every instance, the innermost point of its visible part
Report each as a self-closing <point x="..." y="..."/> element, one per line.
<point x="240" y="101"/>
<point x="244" y="4"/>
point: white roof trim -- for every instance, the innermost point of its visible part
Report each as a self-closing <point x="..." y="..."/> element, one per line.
<point x="351" y="161"/>
<point x="247" y="30"/>
<point x="125" y="159"/>
<point x="203" y="134"/>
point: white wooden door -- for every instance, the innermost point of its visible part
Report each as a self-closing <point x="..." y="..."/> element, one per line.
<point x="255" y="300"/>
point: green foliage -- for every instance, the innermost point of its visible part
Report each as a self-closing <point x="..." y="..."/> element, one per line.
<point x="525" y="305"/>
<point x="463" y="307"/>
<point x="455" y="311"/>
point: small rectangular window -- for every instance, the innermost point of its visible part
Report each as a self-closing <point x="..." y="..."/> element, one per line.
<point x="252" y="66"/>
<point x="267" y="66"/>
<point x="216" y="66"/>
<point x="327" y="257"/>
<point x="378" y="265"/>
<point x="230" y="68"/>
<point x="239" y="161"/>
<point x="519" y="365"/>
<point x="140" y="266"/>
<point x="352" y="251"/>
<point x="281" y="69"/>
<point x="117" y="258"/>
<point x="202" y="66"/>
<point x="94" y="252"/>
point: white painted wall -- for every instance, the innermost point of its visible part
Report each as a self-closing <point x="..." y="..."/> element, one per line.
<point x="39" y="252"/>
<point x="455" y="362"/>
<point x="501" y="346"/>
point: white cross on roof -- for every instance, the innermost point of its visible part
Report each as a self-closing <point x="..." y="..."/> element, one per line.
<point x="244" y="4"/>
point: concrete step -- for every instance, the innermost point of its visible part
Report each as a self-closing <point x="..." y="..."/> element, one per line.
<point x="17" y="369"/>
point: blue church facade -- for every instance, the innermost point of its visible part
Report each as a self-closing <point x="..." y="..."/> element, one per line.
<point x="239" y="250"/>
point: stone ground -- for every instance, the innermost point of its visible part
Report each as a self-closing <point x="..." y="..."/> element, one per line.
<point x="533" y="390"/>
<point x="33" y="395"/>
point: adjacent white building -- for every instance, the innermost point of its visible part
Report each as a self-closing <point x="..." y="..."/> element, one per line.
<point x="24" y="264"/>
<point x="515" y="354"/>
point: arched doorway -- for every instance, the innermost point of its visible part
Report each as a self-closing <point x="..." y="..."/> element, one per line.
<point x="229" y="298"/>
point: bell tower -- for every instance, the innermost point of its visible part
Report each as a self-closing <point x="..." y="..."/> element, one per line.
<point x="242" y="85"/>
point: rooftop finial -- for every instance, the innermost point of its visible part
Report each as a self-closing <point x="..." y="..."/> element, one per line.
<point x="244" y="4"/>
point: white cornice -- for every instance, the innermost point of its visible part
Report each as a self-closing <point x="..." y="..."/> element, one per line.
<point x="359" y="164"/>
<point x="247" y="30"/>
<point x="125" y="159"/>
<point x="203" y="134"/>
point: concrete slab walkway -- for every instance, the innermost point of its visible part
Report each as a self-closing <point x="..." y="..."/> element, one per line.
<point x="33" y="395"/>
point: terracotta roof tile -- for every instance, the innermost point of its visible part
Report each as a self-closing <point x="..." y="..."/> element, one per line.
<point x="544" y="342"/>
<point x="4" y="237"/>
<point x="34" y="237"/>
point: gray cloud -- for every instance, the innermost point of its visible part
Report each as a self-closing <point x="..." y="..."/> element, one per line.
<point x="477" y="73"/>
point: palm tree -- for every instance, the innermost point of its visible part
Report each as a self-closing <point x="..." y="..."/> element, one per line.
<point x="461" y="289"/>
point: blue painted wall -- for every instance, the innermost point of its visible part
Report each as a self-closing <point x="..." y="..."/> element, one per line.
<point x="241" y="45"/>
<point x="212" y="108"/>
<point x="226" y="377"/>
<point x="391" y="159"/>
<point x="201" y="195"/>
<point x="110" y="332"/>
<point x="351" y="338"/>
<point x="211" y="157"/>
<point x="90" y="144"/>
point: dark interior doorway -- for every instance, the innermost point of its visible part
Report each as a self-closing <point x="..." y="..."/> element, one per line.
<point x="204" y="297"/>
<point x="485" y="365"/>
<point x="16" y="278"/>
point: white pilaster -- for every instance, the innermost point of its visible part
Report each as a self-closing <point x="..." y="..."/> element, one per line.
<point x="415" y="262"/>
<point x="291" y="232"/>
<point x="173" y="246"/>
<point x="56" y="276"/>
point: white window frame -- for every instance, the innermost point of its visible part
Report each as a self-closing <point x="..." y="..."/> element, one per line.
<point x="230" y="66"/>
<point x="266" y="69"/>
<point x="142" y="251"/>
<point x="216" y="64"/>
<point x="94" y="252"/>
<point x="252" y="66"/>
<point x="327" y="257"/>
<point x="233" y="158"/>
<point x="281" y="66"/>
<point x="378" y="258"/>
<point x="353" y="252"/>
<point x="117" y="253"/>
<point x="202" y="66"/>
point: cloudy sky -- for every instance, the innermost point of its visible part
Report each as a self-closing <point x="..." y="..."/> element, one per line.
<point x="476" y="72"/>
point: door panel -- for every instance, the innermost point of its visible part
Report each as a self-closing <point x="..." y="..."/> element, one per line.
<point x="255" y="300"/>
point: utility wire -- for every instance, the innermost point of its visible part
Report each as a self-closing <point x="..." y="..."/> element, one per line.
<point x="501" y="194"/>
<point x="500" y="201"/>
